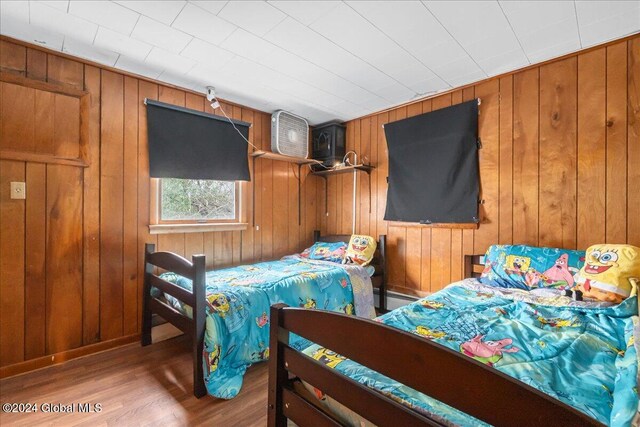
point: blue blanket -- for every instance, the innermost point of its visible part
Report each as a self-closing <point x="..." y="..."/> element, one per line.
<point x="238" y="301"/>
<point x="580" y="353"/>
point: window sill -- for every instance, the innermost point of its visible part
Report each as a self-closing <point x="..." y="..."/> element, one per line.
<point x="196" y="228"/>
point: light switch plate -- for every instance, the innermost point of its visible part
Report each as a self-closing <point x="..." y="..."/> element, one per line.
<point x="18" y="190"/>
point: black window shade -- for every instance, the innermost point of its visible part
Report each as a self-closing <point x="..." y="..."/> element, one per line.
<point x="190" y="144"/>
<point x="433" y="166"/>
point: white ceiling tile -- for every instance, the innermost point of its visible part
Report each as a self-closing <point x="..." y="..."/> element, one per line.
<point x="160" y="35"/>
<point x="13" y="12"/>
<point x="246" y="44"/>
<point x="210" y="6"/>
<point x="116" y="42"/>
<point x="137" y="67"/>
<point x="306" y="43"/>
<point x="90" y="52"/>
<point x="31" y="33"/>
<point x="306" y="12"/>
<point x="163" y="11"/>
<point x="52" y="19"/>
<point x="62" y="5"/>
<point x="204" y="25"/>
<point x="542" y="25"/>
<point x="601" y="21"/>
<point x="175" y="79"/>
<point x="168" y="61"/>
<point x="105" y="13"/>
<point x="481" y="28"/>
<point x="503" y="62"/>
<point x="206" y="53"/>
<point x="257" y="17"/>
<point x="347" y="28"/>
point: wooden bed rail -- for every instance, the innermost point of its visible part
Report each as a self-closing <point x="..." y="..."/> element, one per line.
<point x="425" y="366"/>
<point x="196" y="299"/>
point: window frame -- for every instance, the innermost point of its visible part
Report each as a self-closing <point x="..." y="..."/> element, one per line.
<point x="158" y="226"/>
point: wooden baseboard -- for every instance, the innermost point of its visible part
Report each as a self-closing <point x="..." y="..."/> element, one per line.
<point x="63" y="356"/>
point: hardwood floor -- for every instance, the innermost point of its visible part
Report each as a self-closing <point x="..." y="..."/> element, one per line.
<point x="135" y="386"/>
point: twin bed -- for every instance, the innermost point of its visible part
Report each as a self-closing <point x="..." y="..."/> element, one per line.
<point x="470" y="354"/>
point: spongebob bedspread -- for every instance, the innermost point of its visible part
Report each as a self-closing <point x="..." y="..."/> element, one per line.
<point x="583" y="354"/>
<point x="238" y="301"/>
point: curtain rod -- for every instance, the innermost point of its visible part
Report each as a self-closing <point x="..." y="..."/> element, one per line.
<point x="155" y="103"/>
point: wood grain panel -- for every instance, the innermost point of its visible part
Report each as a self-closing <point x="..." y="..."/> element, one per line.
<point x="13" y="58"/>
<point x="111" y="205"/>
<point x="633" y="137"/>
<point x="505" y="230"/>
<point x="616" y="142"/>
<point x="35" y="261"/>
<point x="36" y="64"/>
<point x="64" y="258"/>
<point x="557" y="150"/>
<point x="12" y="263"/>
<point x="525" y="157"/>
<point x="592" y="150"/>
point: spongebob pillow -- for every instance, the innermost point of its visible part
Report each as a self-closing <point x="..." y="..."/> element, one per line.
<point x="360" y="250"/>
<point x="324" y="251"/>
<point x="610" y="273"/>
<point x="529" y="267"/>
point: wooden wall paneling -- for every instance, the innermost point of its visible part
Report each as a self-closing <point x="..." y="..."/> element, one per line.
<point x="36" y="64"/>
<point x="13" y="58"/>
<point x="280" y="208"/>
<point x="440" y="237"/>
<point x="374" y="129"/>
<point x="256" y="215"/>
<point x="12" y="266"/>
<point x="145" y="90"/>
<point x="364" y="184"/>
<point x="44" y="139"/>
<point x="557" y="161"/>
<point x="456" y="234"/>
<point x="194" y="242"/>
<point x="111" y="205"/>
<point x="18" y="117"/>
<point x="248" y="235"/>
<point x="525" y="157"/>
<point x="505" y="204"/>
<point x="382" y="170"/>
<point x="425" y="238"/>
<point x="347" y="185"/>
<point x="397" y="249"/>
<point x="359" y="177"/>
<point x="64" y="258"/>
<point x="616" y="142"/>
<point x="267" y="190"/>
<point x="65" y="71"/>
<point x="633" y="137"/>
<point x="35" y="261"/>
<point x="66" y="134"/>
<point x="91" y="212"/>
<point x="292" y="203"/>
<point x="489" y="133"/>
<point x="468" y="235"/>
<point x="236" y="236"/>
<point x="130" y="208"/>
<point x="592" y="150"/>
<point x="413" y="266"/>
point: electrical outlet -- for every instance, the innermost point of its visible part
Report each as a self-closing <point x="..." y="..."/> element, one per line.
<point x="18" y="190"/>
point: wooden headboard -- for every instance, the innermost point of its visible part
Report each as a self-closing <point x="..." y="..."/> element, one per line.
<point x="379" y="262"/>
<point x="473" y="266"/>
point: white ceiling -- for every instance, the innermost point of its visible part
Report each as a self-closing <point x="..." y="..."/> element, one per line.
<point x="323" y="60"/>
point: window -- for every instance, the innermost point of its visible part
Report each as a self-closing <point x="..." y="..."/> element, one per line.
<point x="197" y="200"/>
<point x="191" y="205"/>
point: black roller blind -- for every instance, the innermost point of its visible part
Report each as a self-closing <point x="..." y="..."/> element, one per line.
<point x="433" y="166"/>
<point x="190" y="144"/>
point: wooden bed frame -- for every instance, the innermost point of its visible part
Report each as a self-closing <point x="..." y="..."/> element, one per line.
<point x="425" y="366"/>
<point x="195" y="271"/>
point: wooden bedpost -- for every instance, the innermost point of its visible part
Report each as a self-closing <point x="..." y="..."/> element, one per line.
<point x="383" y="285"/>
<point x="277" y="373"/>
<point x="199" y="319"/>
<point x="145" y="338"/>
